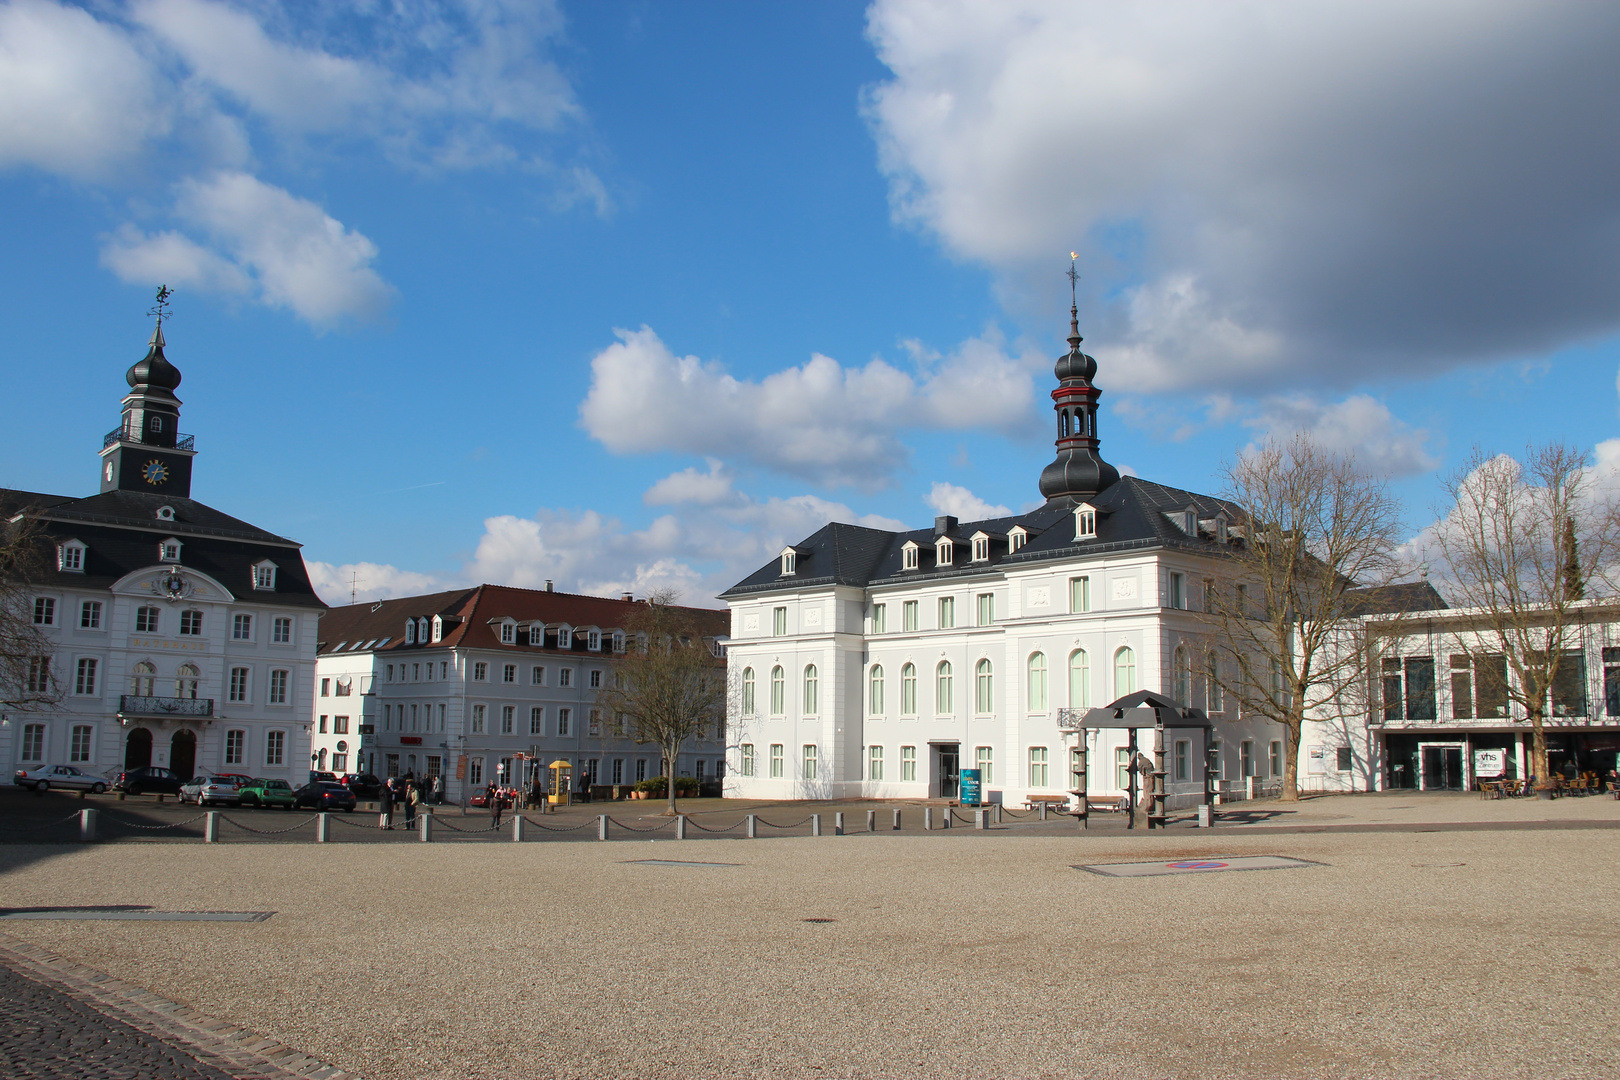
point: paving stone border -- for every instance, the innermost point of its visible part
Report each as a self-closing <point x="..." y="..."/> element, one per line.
<point x="229" y="1047"/>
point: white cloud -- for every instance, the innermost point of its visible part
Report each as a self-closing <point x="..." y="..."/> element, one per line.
<point x="821" y="421"/>
<point x="691" y="486"/>
<point x="293" y="253"/>
<point x="961" y="503"/>
<point x="368" y="582"/>
<point x="1268" y="193"/>
<point x="1359" y="425"/>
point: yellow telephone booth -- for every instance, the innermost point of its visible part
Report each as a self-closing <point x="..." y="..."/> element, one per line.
<point x="562" y="782"/>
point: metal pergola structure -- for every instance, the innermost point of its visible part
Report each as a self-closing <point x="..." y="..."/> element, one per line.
<point x="1143" y="709"/>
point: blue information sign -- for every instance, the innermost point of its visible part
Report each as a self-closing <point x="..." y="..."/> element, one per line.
<point x="972" y="791"/>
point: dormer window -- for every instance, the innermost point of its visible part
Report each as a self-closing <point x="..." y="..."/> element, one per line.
<point x="508" y="632"/>
<point x="438" y="629"/>
<point x="70" y="557"/>
<point x="165" y="513"/>
<point x="981" y="547"/>
<point x="1221" y="535"/>
<point x="908" y="555"/>
<point x="790" y="562"/>
<point x="169" y="550"/>
<point x="944" y="551"/>
<point x="1085" y="522"/>
<point x="593" y="641"/>
<point x="422" y="630"/>
<point x="410" y="632"/>
<point x="537" y="633"/>
<point x="618" y="641"/>
<point x="565" y="637"/>
<point x="264" y="576"/>
<point x="1016" y="537"/>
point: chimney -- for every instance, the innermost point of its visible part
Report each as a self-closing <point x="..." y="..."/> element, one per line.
<point x="944" y="524"/>
<point x="627" y="597"/>
<point x="548" y="586"/>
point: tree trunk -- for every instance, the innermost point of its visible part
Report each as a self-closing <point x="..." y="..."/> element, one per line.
<point x="669" y="788"/>
<point x="1538" y="753"/>
<point x="1290" y="784"/>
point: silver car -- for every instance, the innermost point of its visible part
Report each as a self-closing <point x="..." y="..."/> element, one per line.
<point x="45" y="777"/>
<point x="204" y="790"/>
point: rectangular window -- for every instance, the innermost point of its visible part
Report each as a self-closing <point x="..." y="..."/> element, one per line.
<point x="242" y="628"/>
<point x="947" y="612"/>
<point x="1569" y="685"/>
<point x="507" y="713"/>
<point x="1420" y="688"/>
<point x="146" y="620"/>
<point x="641" y="769"/>
<point x="340" y="763"/>
<point x="1079" y="595"/>
<point x="596" y="680"/>
<point x="810" y="762"/>
<point x="1122" y="768"/>
<point x="1611" y="682"/>
<point x="33" y="742"/>
<point x="776" y="760"/>
<point x="39" y="674"/>
<point x="480" y="671"/>
<point x="475" y="770"/>
<point x="478" y="719"/>
<point x="1246" y="758"/>
<point x="618" y="770"/>
<point x="86" y="682"/>
<point x="508" y="673"/>
<point x="908" y="616"/>
<point x="593" y="721"/>
<point x="326" y="688"/>
<point x="593" y="640"/>
<point x="987" y="609"/>
<point x="278" y="688"/>
<point x="235" y="746"/>
<point x="984" y="758"/>
<point x="239" y="684"/>
<point x="1038" y="765"/>
<point x="880" y="618"/>
<point x="79" y="747"/>
<point x="747" y="762"/>
<point x="320" y="726"/>
<point x="874" y="763"/>
<point x="537" y="676"/>
<point x="281" y="632"/>
<point x="908" y="764"/>
<point x="1178" y="591"/>
<point x="1394" y="709"/>
<point x="264" y="577"/>
<point x="90" y="615"/>
<point x="340" y="725"/>
<point x="1183" y="761"/>
<point x="1276" y="757"/>
<point x="564" y="716"/>
<point x="1346" y="759"/>
<point x="1462" y="688"/>
<point x="44" y="611"/>
<point x="508" y="633"/>
<point x="275" y="747"/>
<point x="565" y="676"/>
<point x="191" y="623"/>
<point x="72" y="557"/>
<point x="537" y="721"/>
<point x="779" y="621"/>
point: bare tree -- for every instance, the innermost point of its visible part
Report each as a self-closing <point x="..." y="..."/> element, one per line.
<point x="26" y="678"/>
<point x="1524" y="544"/>
<point x="670" y="687"/>
<point x="1315" y="528"/>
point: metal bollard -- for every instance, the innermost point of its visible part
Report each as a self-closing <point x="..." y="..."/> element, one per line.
<point x="928" y="819"/>
<point x="998" y="813"/>
<point x="897" y="821"/>
<point x="322" y="829"/>
<point x="945" y="822"/>
<point x="680" y="826"/>
<point x="871" y="821"/>
<point x="838" y="823"/>
<point x="981" y="818"/>
<point x="601" y="826"/>
<point x="424" y="823"/>
<point x="753" y="827"/>
<point x="211" y="827"/>
<point x="87" y="826"/>
<point x="1042" y="811"/>
<point x="815" y="824"/>
<point x="517" y="828"/>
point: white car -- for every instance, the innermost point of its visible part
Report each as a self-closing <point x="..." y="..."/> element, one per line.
<point x="45" y="777"/>
<point x="203" y="790"/>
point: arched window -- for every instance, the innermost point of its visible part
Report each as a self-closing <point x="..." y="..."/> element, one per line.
<point x="877" y="690"/>
<point x="1181" y="672"/>
<point x="810" y="690"/>
<point x="1037" y="682"/>
<point x="908" y="690"/>
<point x="984" y="690"/>
<point x="143" y="680"/>
<point x="1079" y="680"/>
<point x="1212" y="682"/>
<point x="1124" y="671"/>
<point x="748" y="691"/>
<point x="942" y="688"/>
<point x="185" y="683"/>
<point x="778" y="690"/>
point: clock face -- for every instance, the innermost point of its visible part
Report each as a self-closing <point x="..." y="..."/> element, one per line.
<point x="154" y="472"/>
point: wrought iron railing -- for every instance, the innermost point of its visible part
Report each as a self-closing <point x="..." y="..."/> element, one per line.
<point x="123" y="434"/>
<point x="145" y="705"/>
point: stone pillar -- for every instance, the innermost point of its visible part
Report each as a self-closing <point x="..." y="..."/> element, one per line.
<point x="680" y="826"/>
<point x="323" y="828"/>
<point x="928" y="818"/>
<point x="981" y="818"/>
<point x="838" y="823"/>
<point x="424" y="827"/>
<point x="815" y="824"/>
<point x="752" y="830"/>
<point x="517" y="828"/>
<point x="87" y="826"/>
<point x="897" y="821"/>
<point x="601" y="826"/>
<point x="211" y="827"/>
<point x="871" y="821"/>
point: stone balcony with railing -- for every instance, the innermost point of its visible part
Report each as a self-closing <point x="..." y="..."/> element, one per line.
<point x="146" y="705"/>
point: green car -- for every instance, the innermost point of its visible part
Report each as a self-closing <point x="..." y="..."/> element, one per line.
<point x="266" y="793"/>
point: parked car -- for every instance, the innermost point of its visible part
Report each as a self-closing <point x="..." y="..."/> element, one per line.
<point x="45" y="777"/>
<point x="267" y="793"/>
<point x="240" y="778"/>
<point x="324" y="778"/>
<point x="206" y="790"/>
<point x="320" y="796"/>
<point x="364" y="785"/>
<point x="148" y="779"/>
<point x="478" y="798"/>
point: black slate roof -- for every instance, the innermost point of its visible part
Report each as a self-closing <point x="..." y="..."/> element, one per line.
<point x="1393" y="599"/>
<point x="1131" y="514"/>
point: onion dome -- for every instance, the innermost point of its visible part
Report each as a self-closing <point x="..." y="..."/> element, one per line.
<point x="154" y="370"/>
<point x="1075" y="364"/>
<point x="1078" y="472"/>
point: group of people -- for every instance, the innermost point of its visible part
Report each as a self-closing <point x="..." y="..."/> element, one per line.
<point x="409" y="791"/>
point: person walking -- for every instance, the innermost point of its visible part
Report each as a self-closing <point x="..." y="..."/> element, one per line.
<point x="497" y="803"/>
<point x="438" y="790"/>
<point x="385" y="804"/>
<point x="413" y="796"/>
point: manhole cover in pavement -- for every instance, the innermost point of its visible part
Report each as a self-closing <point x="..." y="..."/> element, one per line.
<point x="676" y="862"/>
<point x="126" y="914"/>
<point x="1213" y="864"/>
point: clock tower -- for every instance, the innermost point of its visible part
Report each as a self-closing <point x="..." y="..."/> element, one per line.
<point x="147" y="452"/>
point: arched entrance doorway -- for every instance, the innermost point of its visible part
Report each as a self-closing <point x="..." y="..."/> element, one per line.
<point x="138" y="749"/>
<point x="183" y="754"/>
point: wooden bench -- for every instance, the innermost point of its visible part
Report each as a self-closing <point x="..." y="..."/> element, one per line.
<point x="1051" y="802"/>
<point x="1111" y="803"/>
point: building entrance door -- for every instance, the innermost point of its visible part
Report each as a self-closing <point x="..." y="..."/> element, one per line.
<point x="183" y="754"/>
<point x="1442" y="768"/>
<point x="138" y="749"/>
<point x="948" y="767"/>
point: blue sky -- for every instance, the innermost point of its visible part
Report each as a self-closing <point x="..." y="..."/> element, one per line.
<point x="625" y="295"/>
